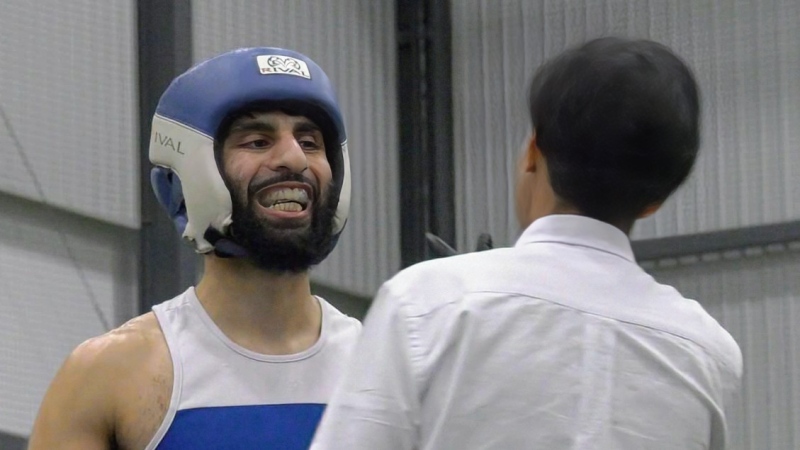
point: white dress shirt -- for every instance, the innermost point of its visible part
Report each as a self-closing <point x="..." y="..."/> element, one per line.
<point x="561" y="342"/>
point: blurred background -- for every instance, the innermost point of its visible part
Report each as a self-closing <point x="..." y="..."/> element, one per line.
<point x="433" y="92"/>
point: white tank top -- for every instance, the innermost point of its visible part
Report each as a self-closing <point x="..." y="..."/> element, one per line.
<point x="225" y="396"/>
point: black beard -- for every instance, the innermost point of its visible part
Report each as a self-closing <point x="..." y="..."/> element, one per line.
<point x="284" y="249"/>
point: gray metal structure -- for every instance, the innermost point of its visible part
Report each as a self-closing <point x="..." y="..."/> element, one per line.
<point x="12" y="442"/>
<point x="426" y="131"/>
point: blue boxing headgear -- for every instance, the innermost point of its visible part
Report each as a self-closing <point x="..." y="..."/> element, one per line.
<point x="194" y="107"/>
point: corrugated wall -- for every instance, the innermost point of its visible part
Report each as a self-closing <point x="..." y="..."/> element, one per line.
<point x="63" y="279"/>
<point x="746" y="56"/>
<point x="756" y="297"/>
<point x="68" y="138"/>
<point x="68" y="128"/>
<point x="354" y="42"/>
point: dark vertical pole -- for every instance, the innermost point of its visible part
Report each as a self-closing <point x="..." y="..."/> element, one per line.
<point x="426" y="125"/>
<point x="167" y="266"/>
<point x="439" y="126"/>
<point x="414" y="194"/>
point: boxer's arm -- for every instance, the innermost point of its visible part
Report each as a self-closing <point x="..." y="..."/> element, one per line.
<point x="78" y="411"/>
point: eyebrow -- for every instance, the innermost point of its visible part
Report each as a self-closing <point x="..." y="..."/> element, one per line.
<point x="305" y="126"/>
<point x="251" y="126"/>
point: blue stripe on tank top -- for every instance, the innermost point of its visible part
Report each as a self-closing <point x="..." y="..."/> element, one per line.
<point x="285" y="427"/>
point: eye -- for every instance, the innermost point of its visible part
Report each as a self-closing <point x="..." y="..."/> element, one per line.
<point x="256" y="143"/>
<point x="308" y="143"/>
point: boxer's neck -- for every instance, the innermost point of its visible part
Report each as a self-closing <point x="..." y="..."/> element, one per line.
<point x="267" y="312"/>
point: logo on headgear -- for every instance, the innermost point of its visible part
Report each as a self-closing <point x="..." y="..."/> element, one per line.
<point x="282" y="65"/>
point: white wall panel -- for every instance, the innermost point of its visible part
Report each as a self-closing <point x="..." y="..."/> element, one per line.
<point x="354" y="42"/>
<point x="757" y="299"/>
<point x="63" y="279"/>
<point x="746" y="57"/>
<point x="68" y="134"/>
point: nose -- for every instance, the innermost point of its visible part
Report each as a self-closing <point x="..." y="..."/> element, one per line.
<point x="287" y="155"/>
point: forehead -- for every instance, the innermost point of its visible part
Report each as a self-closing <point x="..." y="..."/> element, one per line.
<point x="273" y="118"/>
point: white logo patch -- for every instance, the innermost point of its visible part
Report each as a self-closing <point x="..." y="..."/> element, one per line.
<point x="283" y="65"/>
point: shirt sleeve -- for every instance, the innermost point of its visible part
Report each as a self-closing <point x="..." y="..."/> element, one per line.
<point x="730" y="385"/>
<point x="376" y="404"/>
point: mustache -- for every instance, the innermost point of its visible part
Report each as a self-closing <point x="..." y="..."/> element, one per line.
<point x="257" y="185"/>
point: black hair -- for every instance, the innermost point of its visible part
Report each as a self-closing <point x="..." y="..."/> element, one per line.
<point x="618" y="122"/>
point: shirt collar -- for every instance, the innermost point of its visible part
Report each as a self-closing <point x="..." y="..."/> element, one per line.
<point x="578" y="230"/>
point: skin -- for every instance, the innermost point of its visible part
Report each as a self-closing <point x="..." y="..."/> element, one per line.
<point x="534" y="195"/>
<point x="113" y="390"/>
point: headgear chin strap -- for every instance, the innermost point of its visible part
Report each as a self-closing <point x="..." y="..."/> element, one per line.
<point x="187" y="181"/>
<point x="224" y="247"/>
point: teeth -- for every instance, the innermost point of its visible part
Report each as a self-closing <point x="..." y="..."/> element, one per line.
<point x="289" y="206"/>
<point x="287" y="195"/>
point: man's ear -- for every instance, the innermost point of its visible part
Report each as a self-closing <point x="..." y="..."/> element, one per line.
<point x="532" y="155"/>
<point x="650" y="210"/>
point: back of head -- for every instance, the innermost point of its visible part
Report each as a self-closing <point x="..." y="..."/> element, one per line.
<point x="617" y="121"/>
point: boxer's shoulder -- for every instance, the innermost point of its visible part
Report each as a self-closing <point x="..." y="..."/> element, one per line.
<point x="133" y="368"/>
<point x="136" y="356"/>
<point x="116" y="387"/>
